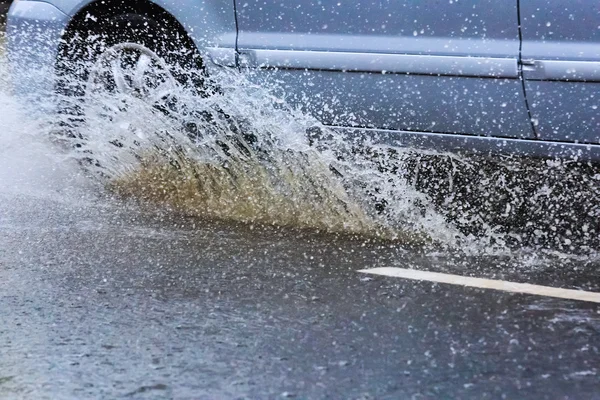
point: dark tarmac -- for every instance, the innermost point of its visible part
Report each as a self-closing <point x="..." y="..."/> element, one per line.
<point x="101" y="300"/>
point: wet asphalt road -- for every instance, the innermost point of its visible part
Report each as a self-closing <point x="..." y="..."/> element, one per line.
<point x="102" y="300"/>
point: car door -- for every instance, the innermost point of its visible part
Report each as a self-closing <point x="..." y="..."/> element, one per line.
<point x="429" y="66"/>
<point x="561" y="57"/>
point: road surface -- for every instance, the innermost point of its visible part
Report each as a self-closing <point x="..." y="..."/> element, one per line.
<point x="102" y="299"/>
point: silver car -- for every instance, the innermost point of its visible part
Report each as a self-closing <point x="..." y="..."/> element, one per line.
<point x="518" y="77"/>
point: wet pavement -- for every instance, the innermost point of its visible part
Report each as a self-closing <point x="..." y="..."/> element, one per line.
<point x="100" y="299"/>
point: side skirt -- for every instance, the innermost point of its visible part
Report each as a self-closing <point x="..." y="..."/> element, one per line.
<point x="483" y="145"/>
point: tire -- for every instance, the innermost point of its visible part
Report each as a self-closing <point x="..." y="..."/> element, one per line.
<point x="120" y="39"/>
<point x="174" y="53"/>
<point x="83" y="48"/>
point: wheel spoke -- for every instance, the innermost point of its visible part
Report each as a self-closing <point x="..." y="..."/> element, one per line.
<point x="140" y="69"/>
<point x="131" y="73"/>
<point x="119" y="76"/>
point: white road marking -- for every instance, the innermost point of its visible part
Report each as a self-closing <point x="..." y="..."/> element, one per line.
<point x="513" y="287"/>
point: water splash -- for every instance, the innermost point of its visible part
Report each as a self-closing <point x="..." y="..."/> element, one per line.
<point x="243" y="154"/>
<point x="29" y="162"/>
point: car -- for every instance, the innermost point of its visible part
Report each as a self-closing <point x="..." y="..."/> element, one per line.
<point x="483" y="76"/>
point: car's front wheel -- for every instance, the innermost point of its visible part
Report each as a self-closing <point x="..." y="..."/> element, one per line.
<point x="119" y="64"/>
<point x="128" y="55"/>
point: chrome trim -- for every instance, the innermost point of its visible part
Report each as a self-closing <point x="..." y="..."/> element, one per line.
<point x="555" y="70"/>
<point x="488" y="67"/>
<point x="381" y="44"/>
<point x="467" y="144"/>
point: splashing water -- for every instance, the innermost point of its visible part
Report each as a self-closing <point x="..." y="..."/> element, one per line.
<point x="243" y="154"/>
<point x="29" y="164"/>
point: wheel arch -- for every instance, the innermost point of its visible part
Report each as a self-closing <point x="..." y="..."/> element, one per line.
<point x="205" y="24"/>
<point x="89" y="16"/>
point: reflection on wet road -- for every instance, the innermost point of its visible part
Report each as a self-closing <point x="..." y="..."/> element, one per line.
<point x="103" y="300"/>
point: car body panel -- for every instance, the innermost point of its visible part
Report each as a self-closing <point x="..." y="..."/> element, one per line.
<point x="415" y="102"/>
<point x="34" y="31"/>
<point x="489" y="67"/>
<point x="561" y="49"/>
<point x="409" y="66"/>
<point x="481" y="145"/>
<point x="461" y="28"/>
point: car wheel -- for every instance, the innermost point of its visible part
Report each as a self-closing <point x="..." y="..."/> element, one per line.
<point x="118" y="62"/>
<point x="131" y="55"/>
